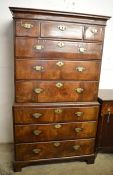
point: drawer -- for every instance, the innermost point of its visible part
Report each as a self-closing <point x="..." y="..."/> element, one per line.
<point x="48" y="150"/>
<point x="32" y="47"/>
<point x="95" y="33"/>
<point x="107" y="108"/>
<point x="27" y="28"/>
<point x="56" y="131"/>
<point x="52" y="115"/>
<point x="61" y="30"/>
<point x="57" y="69"/>
<point x="44" y="91"/>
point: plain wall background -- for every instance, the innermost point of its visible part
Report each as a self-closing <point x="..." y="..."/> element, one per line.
<point x="100" y="7"/>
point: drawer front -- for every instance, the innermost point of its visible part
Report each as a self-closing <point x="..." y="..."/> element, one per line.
<point x="61" y="30"/>
<point x="53" y="115"/>
<point x="57" y="69"/>
<point x="107" y="108"/>
<point x="58" y="131"/>
<point x="27" y="28"/>
<point x="30" y="47"/>
<point x="48" y="150"/>
<point x="44" y="91"/>
<point x="95" y="33"/>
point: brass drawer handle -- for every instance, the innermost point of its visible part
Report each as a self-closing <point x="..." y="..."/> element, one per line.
<point x="38" y="47"/>
<point x="79" y="114"/>
<point x="60" y="44"/>
<point x="36" y="115"/>
<point x="76" y="147"/>
<point x="108" y="116"/>
<point x="38" y="90"/>
<point x="60" y="63"/>
<point x="36" y="151"/>
<point x="79" y="90"/>
<point x="82" y="49"/>
<point x="58" y="111"/>
<point x="78" y="129"/>
<point x="62" y="27"/>
<point x="80" y="69"/>
<point x="57" y="126"/>
<point x="59" y="85"/>
<point x="37" y="132"/>
<point x="94" y="31"/>
<point x="27" y="25"/>
<point x="38" y="68"/>
<point x="57" y="144"/>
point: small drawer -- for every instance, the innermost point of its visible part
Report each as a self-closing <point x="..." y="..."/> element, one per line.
<point x="44" y="91"/>
<point x="95" y="33"/>
<point x="57" y="69"/>
<point x="61" y="30"/>
<point x="48" y="150"/>
<point x="107" y="108"/>
<point x="27" y="28"/>
<point x="47" y="49"/>
<point x="56" y="131"/>
<point x="26" y="115"/>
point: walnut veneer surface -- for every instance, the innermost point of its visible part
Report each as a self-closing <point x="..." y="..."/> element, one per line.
<point x="57" y="68"/>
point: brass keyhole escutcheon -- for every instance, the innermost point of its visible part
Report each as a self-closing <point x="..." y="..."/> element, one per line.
<point x="36" y="151"/>
<point x="60" y="63"/>
<point x="37" y="132"/>
<point x="36" y="115"/>
<point x="38" y="90"/>
<point x="58" y="111"/>
<point x="59" y="85"/>
<point x="57" y="126"/>
<point x="79" y="114"/>
<point x="78" y="129"/>
<point x="79" y="90"/>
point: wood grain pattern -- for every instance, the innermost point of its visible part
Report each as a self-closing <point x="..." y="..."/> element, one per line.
<point x="25" y="69"/>
<point x="24" y="115"/>
<point x="48" y="132"/>
<point x="48" y="150"/>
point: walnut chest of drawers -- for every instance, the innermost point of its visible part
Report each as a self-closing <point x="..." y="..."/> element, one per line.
<point x="57" y="68"/>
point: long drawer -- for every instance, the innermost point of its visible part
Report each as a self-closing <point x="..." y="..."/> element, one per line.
<point x="47" y="150"/>
<point x="40" y="48"/>
<point x="56" y="131"/>
<point x="57" y="69"/>
<point x="44" y="91"/>
<point x="26" y="115"/>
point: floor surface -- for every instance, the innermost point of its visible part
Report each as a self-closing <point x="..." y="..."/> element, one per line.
<point x="103" y="165"/>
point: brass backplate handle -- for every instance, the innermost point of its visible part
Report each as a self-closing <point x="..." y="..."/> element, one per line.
<point x="80" y="69"/>
<point x="82" y="49"/>
<point x="36" y="115"/>
<point x="62" y="27"/>
<point x="57" y="144"/>
<point x="79" y="90"/>
<point x="27" y="25"/>
<point x="38" y="47"/>
<point x="37" y="132"/>
<point x="79" y="114"/>
<point x="57" y="126"/>
<point x="38" y="68"/>
<point x="36" y="151"/>
<point x="60" y="63"/>
<point x="59" y="85"/>
<point x="60" y="44"/>
<point x="76" y="147"/>
<point x="94" y="30"/>
<point x="78" y="129"/>
<point x="38" y="90"/>
<point x="58" y="111"/>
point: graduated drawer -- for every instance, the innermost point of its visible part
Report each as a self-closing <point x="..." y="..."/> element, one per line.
<point x="32" y="47"/>
<point x="61" y="30"/>
<point x="48" y="150"/>
<point x="26" y="115"/>
<point x="57" y="69"/>
<point x="56" y="131"/>
<point x="94" y="33"/>
<point x="56" y="91"/>
<point x="26" y="27"/>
